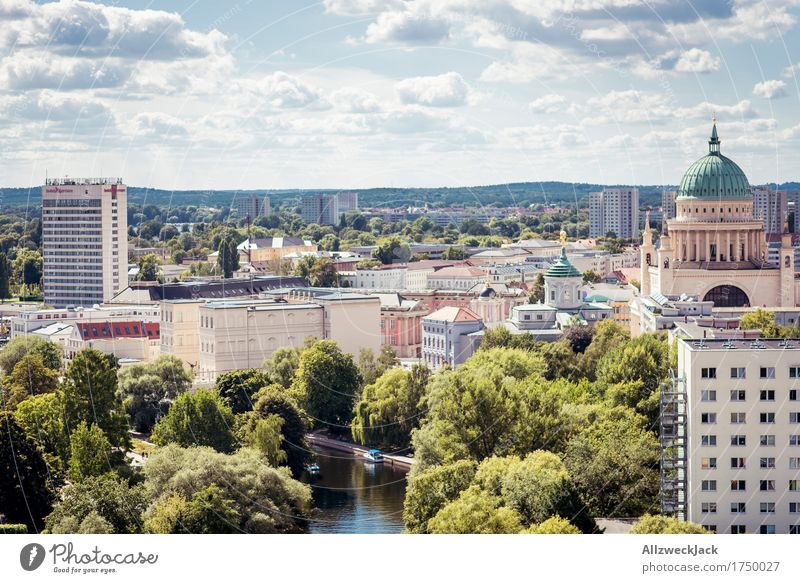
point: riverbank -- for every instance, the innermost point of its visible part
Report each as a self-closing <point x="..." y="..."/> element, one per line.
<point x="350" y="447"/>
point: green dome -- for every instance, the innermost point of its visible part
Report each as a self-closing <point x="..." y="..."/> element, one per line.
<point x="562" y="267"/>
<point x="714" y="176"/>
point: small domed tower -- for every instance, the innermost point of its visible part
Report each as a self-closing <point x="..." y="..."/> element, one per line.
<point x="561" y="282"/>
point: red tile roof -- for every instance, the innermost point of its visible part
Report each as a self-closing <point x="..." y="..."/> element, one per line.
<point x="110" y="330"/>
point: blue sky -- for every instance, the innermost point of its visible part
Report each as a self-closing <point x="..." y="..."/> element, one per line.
<point x="362" y="93"/>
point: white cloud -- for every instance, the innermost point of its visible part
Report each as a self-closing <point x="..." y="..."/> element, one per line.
<point x="283" y="91"/>
<point x="352" y="100"/>
<point x="445" y="90"/>
<point x="159" y="125"/>
<point x="27" y="70"/>
<point x="359" y="7"/>
<point x="697" y="61"/>
<point x="547" y="103"/>
<point x="771" y="89"/>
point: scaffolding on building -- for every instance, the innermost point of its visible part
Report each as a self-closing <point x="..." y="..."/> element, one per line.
<point x="673" y="441"/>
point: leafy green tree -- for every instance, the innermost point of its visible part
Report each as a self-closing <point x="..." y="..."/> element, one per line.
<point x="266" y="499"/>
<point x="607" y="336"/>
<point x="147" y="389"/>
<point x="91" y="452"/>
<point x="656" y="524"/>
<point x="475" y="512"/>
<point x="5" y="277"/>
<point x="28" y="378"/>
<point x="371" y="368"/>
<point x="228" y="254"/>
<point x="539" y="487"/>
<point x="200" y="418"/>
<point x="318" y="271"/>
<point x="614" y="461"/>
<point x="94" y="524"/>
<point x="431" y="490"/>
<point x="392" y="250"/>
<point x="327" y="382"/>
<point x="283" y="365"/>
<point x="267" y="437"/>
<point x="591" y="276"/>
<point x="391" y="408"/>
<point x="763" y="320"/>
<point x="148" y="267"/>
<point x="27" y="267"/>
<point x="579" y="337"/>
<point x="107" y="496"/>
<point x="273" y="401"/>
<point x="537" y="290"/>
<point x="25" y="496"/>
<point x="553" y="525"/>
<point x="90" y="394"/>
<point x="210" y="512"/>
<point x="454" y="254"/>
<point x="237" y="387"/>
<point x="42" y="418"/>
<point x="22" y="346"/>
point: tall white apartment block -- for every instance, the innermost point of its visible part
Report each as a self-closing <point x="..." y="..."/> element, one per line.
<point x="668" y="204"/>
<point x="320" y="209"/>
<point x="348" y="201"/>
<point x="742" y="435"/>
<point x="84" y="240"/>
<point x="793" y="204"/>
<point x="614" y="210"/>
<point x="251" y="207"/>
<point x="771" y="206"/>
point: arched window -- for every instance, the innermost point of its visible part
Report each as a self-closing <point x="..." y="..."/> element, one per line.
<point x="647" y="259"/>
<point x="666" y="264"/>
<point x="787" y="261"/>
<point x="727" y="296"/>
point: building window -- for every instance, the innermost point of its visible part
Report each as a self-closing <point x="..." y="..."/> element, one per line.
<point x="708" y="418"/>
<point x="767" y="417"/>
<point x="708" y="373"/>
<point x="767" y="507"/>
<point x="738" y="529"/>
<point x="793" y="485"/>
<point x="768" y="440"/>
<point x="737" y="372"/>
<point x="710" y="440"/>
<point x="708" y="507"/>
<point x="738" y="485"/>
<point x="738" y="418"/>
<point x="767" y="372"/>
<point x="708" y="463"/>
<point x="794" y="417"/>
<point x="767" y="463"/>
<point x="794" y="507"/>
<point x="794" y="372"/>
<point x="767" y="485"/>
<point x="738" y="395"/>
<point x="767" y="395"/>
<point x="711" y="485"/>
<point x="708" y="395"/>
<point x="737" y="462"/>
<point x="794" y="529"/>
<point x="738" y="507"/>
<point x="793" y="395"/>
<point x="794" y="463"/>
<point x="738" y="440"/>
<point x="767" y="529"/>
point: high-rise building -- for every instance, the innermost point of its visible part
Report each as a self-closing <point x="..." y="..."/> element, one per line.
<point x="251" y="207"/>
<point x="84" y="240"/>
<point x="348" y="201"/>
<point x="771" y="207"/>
<point x="793" y="206"/>
<point x="320" y="209"/>
<point x="730" y="436"/>
<point x="668" y="204"/>
<point x="614" y="210"/>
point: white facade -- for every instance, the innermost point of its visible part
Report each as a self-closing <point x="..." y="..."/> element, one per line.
<point x="446" y="336"/>
<point x="393" y="278"/>
<point x="743" y="434"/>
<point x="28" y="322"/>
<point x="84" y="240"/>
<point x="614" y="210"/>
<point x="252" y="207"/>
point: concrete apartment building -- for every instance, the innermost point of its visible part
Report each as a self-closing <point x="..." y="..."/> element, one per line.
<point x="348" y="201"/>
<point x="771" y="206"/>
<point x="731" y="436"/>
<point x="251" y="207"/>
<point x="84" y="240"/>
<point x="668" y="209"/>
<point x="320" y="209"/>
<point x="614" y="210"/>
<point x="448" y="336"/>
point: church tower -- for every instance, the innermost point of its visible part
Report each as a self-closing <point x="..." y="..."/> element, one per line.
<point x="648" y="255"/>
<point x="787" y="299"/>
<point x="561" y="282"/>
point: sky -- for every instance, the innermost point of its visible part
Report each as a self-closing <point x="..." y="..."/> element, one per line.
<point x="200" y="94"/>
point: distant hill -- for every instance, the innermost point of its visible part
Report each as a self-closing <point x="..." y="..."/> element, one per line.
<point x="502" y="195"/>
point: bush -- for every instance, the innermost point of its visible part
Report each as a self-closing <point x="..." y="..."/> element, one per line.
<point x="13" y="529"/>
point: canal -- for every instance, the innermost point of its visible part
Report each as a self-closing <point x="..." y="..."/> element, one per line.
<point x="356" y="497"/>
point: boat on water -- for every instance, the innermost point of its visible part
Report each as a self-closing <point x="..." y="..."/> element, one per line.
<point x="374" y="456"/>
<point x="312" y="468"/>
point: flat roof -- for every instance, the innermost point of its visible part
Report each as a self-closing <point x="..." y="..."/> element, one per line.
<point x="701" y="344"/>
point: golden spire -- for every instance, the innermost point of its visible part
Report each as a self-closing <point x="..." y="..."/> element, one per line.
<point x="563" y="237"/>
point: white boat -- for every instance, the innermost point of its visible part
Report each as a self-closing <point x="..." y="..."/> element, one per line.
<point x="374" y="455"/>
<point x="312" y="468"/>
